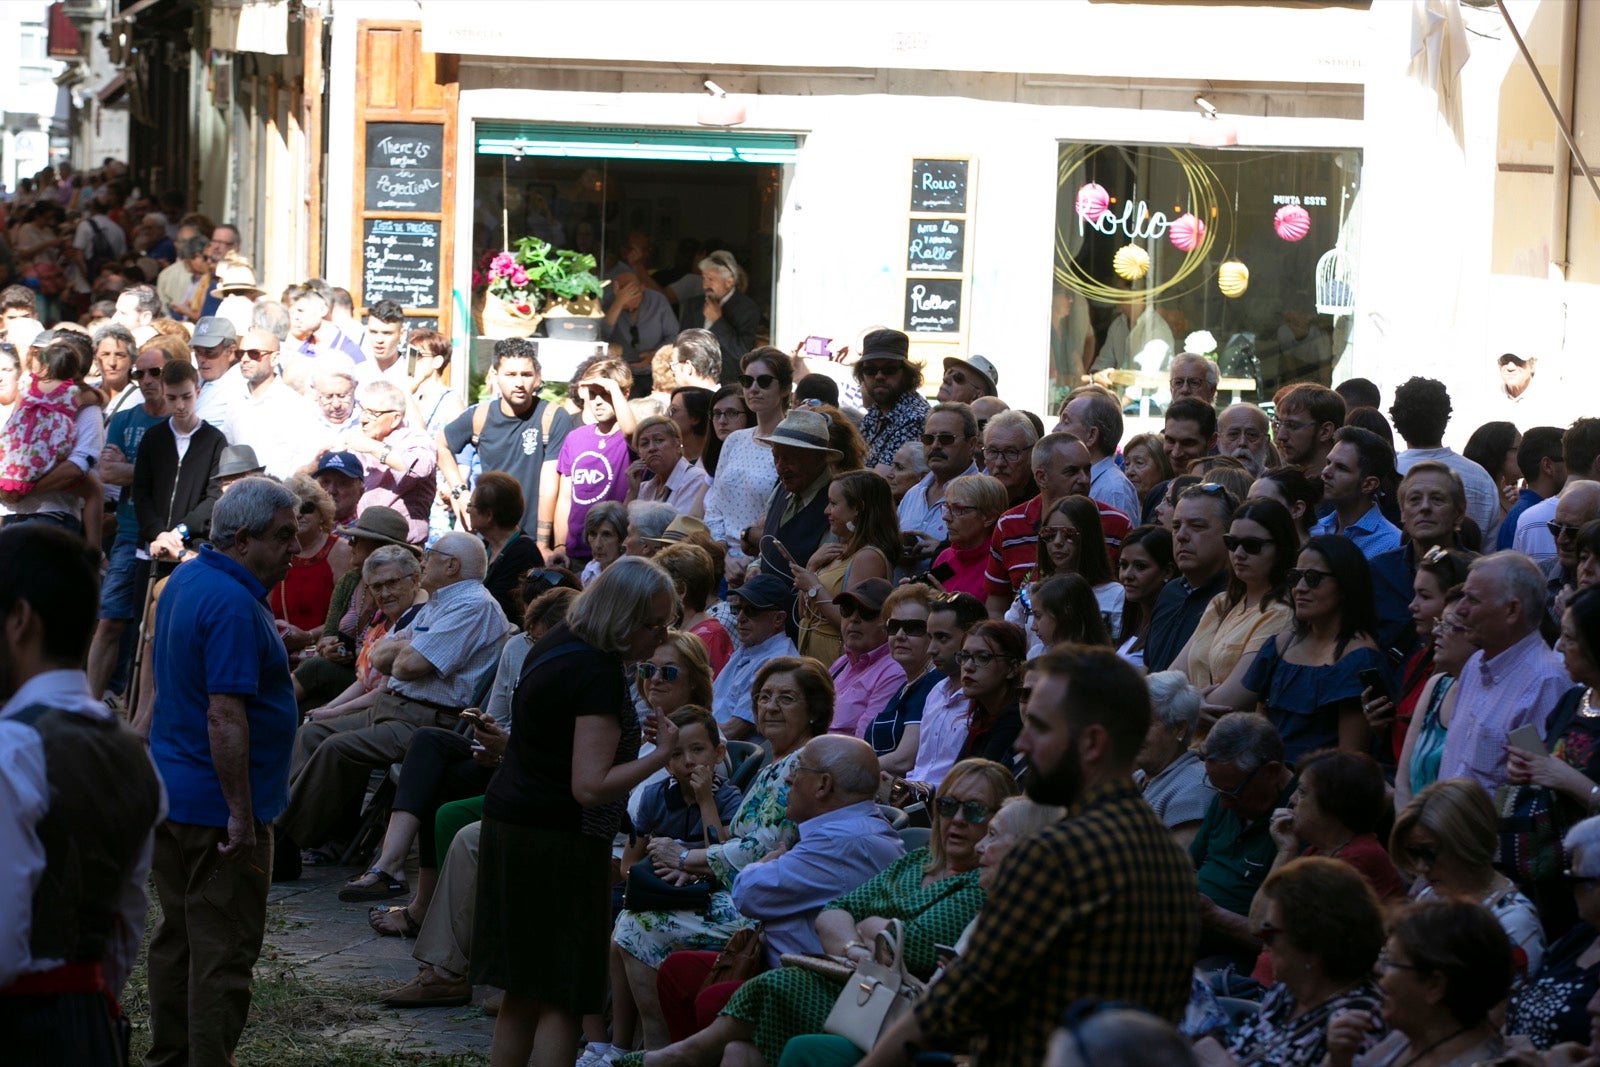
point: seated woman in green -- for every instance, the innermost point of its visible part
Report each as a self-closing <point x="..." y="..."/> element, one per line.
<point x="934" y="891"/>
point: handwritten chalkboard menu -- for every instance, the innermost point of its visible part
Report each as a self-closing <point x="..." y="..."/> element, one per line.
<point x="936" y="246"/>
<point x="933" y="305"/>
<point x="404" y="166"/>
<point x="939" y="185"/>
<point x="400" y="260"/>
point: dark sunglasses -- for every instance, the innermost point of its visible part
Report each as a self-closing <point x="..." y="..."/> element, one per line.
<point x="257" y="353"/>
<point x="1312" y="578"/>
<point x="880" y="370"/>
<point x="669" y="673"/>
<point x="760" y="381"/>
<point x="544" y="577"/>
<point x="152" y="373"/>
<point x="849" y="609"/>
<point x="1251" y="545"/>
<point x="910" y="627"/>
<point x="1558" y="530"/>
<point x="943" y="440"/>
<point x="975" y="812"/>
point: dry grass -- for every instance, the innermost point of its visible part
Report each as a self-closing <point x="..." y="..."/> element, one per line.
<point x="296" y="1020"/>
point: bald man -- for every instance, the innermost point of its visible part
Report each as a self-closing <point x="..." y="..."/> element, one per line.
<point x="274" y="420"/>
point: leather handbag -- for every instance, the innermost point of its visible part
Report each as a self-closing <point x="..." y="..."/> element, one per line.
<point x="877" y="994"/>
<point x="740" y="960"/>
<point x="648" y="891"/>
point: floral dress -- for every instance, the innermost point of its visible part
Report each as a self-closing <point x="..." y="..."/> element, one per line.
<point x="1278" y="1037"/>
<point x="741" y="489"/>
<point x="39" y="435"/>
<point x="760" y="826"/>
<point x="791" y="1001"/>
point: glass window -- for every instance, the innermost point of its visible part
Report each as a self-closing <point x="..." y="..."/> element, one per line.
<point x="1243" y="255"/>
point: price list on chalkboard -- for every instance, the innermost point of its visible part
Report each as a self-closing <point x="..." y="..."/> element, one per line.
<point x="400" y="261"/>
<point x="938" y="239"/>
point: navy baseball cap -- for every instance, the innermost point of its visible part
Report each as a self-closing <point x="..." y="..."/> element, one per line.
<point x="766" y="592"/>
<point x="346" y="463"/>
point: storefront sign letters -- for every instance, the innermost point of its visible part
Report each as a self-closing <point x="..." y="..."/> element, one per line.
<point x="936" y="246"/>
<point x="1136" y="222"/>
<point x="933" y="305"/>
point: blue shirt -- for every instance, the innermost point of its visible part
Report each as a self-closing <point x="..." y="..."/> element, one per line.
<point x="215" y="634"/>
<point x="1372" y="533"/>
<point x="665" y="812"/>
<point x="1304" y="701"/>
<point x="1526" y="498"/>
<point x="838" y="851"/>
<point x="126" y="430"/>
<point x="730" y="693"/>
<point x="905" y="709"/>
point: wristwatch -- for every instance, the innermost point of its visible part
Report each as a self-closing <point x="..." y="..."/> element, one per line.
<point x="683" y="860"/>
<point x="383" y="457"/>
<point x="457" y="490"/>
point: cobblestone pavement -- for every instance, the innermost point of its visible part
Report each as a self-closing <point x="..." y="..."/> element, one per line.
<point x="310" y="929"/>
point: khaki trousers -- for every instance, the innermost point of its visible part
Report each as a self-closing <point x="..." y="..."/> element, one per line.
<point x="333" y="760"/>
<point x="213" y="914"/>
<point x="445" y="939"/>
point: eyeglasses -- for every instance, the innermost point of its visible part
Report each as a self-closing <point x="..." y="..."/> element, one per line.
<point x="152" y="373"/>
<point x="1059" y="533"/>
<point x="887" y="369"/>
<point x="1447" y="629"/>
<point x="849" y="609"/>
<point x="329" y="398"/>
<point x="975" y="812"/>
<point x="257" y="353"/>
<point x="1436" y="554"/>
<point x="669" y="672"/>
<point x="955" y="377"/>
<point x="980" y="659"/>
<point x="1560" y="530"/>
<point x="742" y="608"/>
<point x="1251" y="545"/>
<point x="375" y="412"/>
<point x="434" y="553"/>
<point x="544" y="577"/>
<point x="955" y="511"/>
<point x="1009" y="455"/>
<point x="1211" y="488"/>
<point x="801" y="768"/>
<point x="909" y="627"/>
<point x="1236" y="791"/>
<point x="379" y="588"/>
<point x="1387" y="962"/>
<point x="1279" y="425"/>
<point x="943" y="440"/>
<point x="781" y="701"/>
<point x="759" y="381"/>
<point x="723" y="414"/>
<point x="633" y="333"/>
<point x="1189" y="383"/>
<point x="308" y="507"/>
<point x="1312" y="578"/>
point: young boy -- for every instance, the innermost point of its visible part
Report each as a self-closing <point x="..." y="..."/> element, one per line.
<point x="694" y="806"/>
<point x="594" y="457"/>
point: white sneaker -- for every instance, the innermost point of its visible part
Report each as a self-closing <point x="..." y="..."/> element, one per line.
<point x="596" y="1054"/>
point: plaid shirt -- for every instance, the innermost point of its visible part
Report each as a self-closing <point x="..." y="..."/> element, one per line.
<point x="1102" y="904"/>
<point x="886" y="431"/>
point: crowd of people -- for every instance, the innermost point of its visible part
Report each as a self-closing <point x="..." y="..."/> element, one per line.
<point x="1257" y="740"/>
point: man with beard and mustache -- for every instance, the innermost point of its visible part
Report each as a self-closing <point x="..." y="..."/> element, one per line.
<point x="1098" y="906"/>
<point x="949" y="440"/>
<point x="889" y="382"/>
<point x="78" y="801"/>
<point x="1242" y="432"/>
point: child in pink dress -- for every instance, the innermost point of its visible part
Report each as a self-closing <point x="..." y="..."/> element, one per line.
<point x="41" y="430"/>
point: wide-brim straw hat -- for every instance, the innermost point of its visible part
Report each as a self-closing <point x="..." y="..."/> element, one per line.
<point x="803" y="428"/>
<point x="382" y="524"/>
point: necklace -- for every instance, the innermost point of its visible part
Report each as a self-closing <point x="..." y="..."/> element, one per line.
<point x="1587" y="708"/>
<point x="1447" y="1037"/>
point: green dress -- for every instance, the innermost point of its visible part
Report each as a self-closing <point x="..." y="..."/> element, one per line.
<point x="790" y="1001"/>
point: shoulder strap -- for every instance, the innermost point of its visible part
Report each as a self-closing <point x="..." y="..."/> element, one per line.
<point x="545" y="420"/>
<point x="480" y="416"/>
<point x="545" y="657"/>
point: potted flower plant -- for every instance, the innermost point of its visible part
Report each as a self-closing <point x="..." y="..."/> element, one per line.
<point x="533" y="283"/>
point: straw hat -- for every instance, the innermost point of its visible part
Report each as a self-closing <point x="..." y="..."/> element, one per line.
<point x="237" y="279"/>
<point x="803" y="428"/>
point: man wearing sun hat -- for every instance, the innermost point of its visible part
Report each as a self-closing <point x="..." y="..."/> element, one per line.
<point x="803" y="458"/>
<point x="889" y="384"/>
<point x="965" y="380"/>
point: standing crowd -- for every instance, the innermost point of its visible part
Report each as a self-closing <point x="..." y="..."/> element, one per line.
<point x="708" y="700"/>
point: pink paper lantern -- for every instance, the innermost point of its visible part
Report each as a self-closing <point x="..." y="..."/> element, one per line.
<point x="1186" y="233"/>
<point x="1292" y="222"/>
<point x="1093" y="200"/>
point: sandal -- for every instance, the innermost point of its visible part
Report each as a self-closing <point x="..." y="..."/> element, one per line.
<point x="319" y="857"/>
<point x="376" y="884"/>
<point x="393" y="921"/>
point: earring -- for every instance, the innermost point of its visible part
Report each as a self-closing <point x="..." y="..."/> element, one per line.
<point x="851" y="526"/>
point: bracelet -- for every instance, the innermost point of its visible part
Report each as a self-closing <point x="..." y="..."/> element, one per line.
<point x="683" y="860"/>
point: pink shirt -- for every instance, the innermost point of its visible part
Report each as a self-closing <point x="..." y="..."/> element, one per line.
<point x="863" y="686"/>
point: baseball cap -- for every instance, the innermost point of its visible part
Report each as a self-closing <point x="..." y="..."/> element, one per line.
<point x="978" y="364"/>
<point x="1512" y="357"/>
<point x="764" y="591"/>
<point x="869" y="594"/>
<point x="211" y="331"/>
<point x="346" y="463"/>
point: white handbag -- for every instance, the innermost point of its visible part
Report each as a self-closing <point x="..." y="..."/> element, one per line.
<point x="877" y="994"/>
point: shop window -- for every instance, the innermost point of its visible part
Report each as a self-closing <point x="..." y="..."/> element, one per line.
<point x="1245" y="255"/>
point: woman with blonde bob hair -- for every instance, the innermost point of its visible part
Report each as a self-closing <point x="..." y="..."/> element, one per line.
<point x="556" y="803"/>
<point x="973" y="503"/>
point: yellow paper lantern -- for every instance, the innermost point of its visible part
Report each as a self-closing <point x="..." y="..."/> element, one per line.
<point x="1131" y="262"/>
<point x="1233" y="278"/>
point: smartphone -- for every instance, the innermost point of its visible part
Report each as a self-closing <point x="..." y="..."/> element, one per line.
<point x="1527" y="738"/>
<point x="817" y="346"/>
<point x="1372" y="678"/>
<point x="944" y="572"/>
<point x="943" y="955"/>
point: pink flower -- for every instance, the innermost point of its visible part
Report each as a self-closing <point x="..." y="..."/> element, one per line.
<point x="519" y="277"/>
<point x="502" y="265"/>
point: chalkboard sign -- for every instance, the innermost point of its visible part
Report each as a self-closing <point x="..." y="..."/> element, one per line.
<point x="939" y="185"/>
<point x="933" y="305"/>
<point x="405" y="166"/>
<point x="936" y="246"/>
<point x="401" y="262"/>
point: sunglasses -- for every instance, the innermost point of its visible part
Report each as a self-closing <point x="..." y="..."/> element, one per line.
<point x="743" y="608"/>
<point x="943" y="440"/>
<point x="975" y="812"/>
<point x="909" y="627"/>
<point x="880" y="370"/>
<point x="1251" y="545"/>
<point x="759" y="381"/>
<point x="849" y="609"/>
<point x="152" y="373"/>
<point x="669" y="673"/>
<point x="1312" y="578"/>
<point x="1059" y="533"/>
<point x="1436" y="554"/>
<point x="544" y="577"/>
<point x="1560" y="530"/>
<point x="257" y="353"/>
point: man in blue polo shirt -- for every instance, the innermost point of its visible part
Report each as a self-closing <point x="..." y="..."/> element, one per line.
<point x="223" y="731"/>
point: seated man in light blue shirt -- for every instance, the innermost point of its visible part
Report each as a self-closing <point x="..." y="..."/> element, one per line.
<point x="1359" y="469"/>
<point x="844" y="842"/>
<point x="761" y="609"/>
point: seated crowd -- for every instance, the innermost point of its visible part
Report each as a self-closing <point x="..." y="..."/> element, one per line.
<point x="781" y="691"/>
